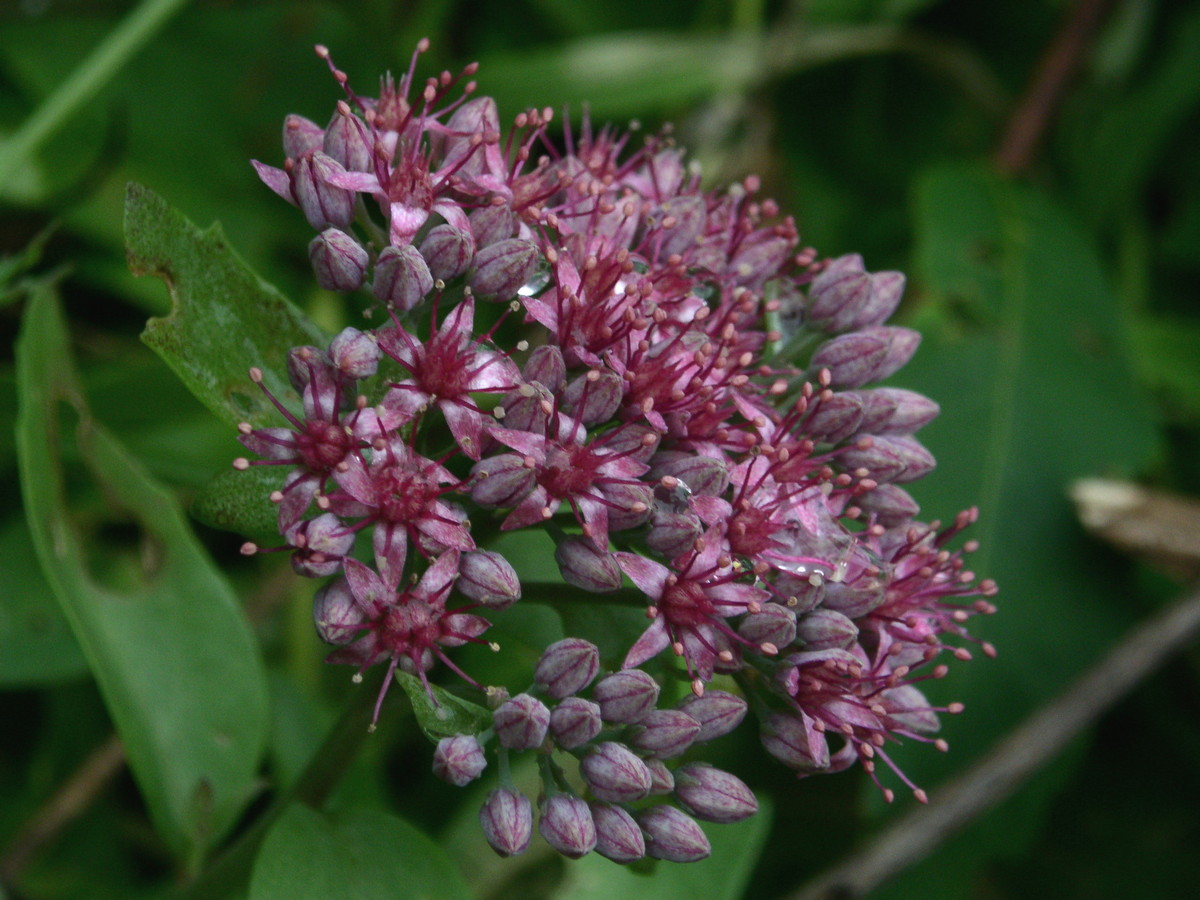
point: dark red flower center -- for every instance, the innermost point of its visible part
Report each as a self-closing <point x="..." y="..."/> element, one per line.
<point x="322" y="444"/>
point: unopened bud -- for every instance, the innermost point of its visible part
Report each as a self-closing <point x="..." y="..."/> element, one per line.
<point x="593" y="397"/>
<point x="713" y="795"/>
<point x="501" y="481"/>
<point x="402" y="278"/>
<point x="662" y="779"/>
<point x="852" y="359"/>
<point x="448" y="251"/>
<point x="321" y="543"/>
<point x="459" y="760"/>
<point x="673" y="835"/>
<point x="507" y="821"/>
<point x="348" y="140"/>
<point x="718" y="713"/>
<point x="488" y="578"/>
<point x="546" y="366"/>
<point x="824" y="628"/>
<point x="567" y="667"/>
<point x="615" y="773"/>
<point x="354" y="353"/>
<point x="502" y="268"/>
<point x="772" y="624"/>
<point x="835" y="418"/>
<point x="339" y="262"/>
<point x="618" y="836"/>
<point x="673" y="533"/>
<point x="566" y="824"/>
<point x="491" y="224"/>
<point x="626" y="697"/>
<point x="891" y="505"/>
<point x="586" y="566"/>
<point x="521" y="722"/>
<point x="896" y="459"/>
<point x="336" y="613"/>
<point x="664" y="733"/>
<point x="794" y="741"/>
<point x="301" y="136"/>
<point x="853" y="599"/>
<point x="690" y="215"/>
<point x="574" y="722"/>
<point x="322" y="203"/>
<point x="702" y="475"/>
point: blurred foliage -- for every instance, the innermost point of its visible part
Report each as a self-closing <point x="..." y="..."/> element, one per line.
<point x="1062" y="339"/>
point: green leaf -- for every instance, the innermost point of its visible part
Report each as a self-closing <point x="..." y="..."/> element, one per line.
<point x="443" y="714"/>
<point x="723" y="876"/>
<point x="1036" y="390"/>
<point x="174" y="658"/>
<point x="224" y="318"/>
<point x="37" y="641"/>
<point x="363" y="854"/>
<point x="239" y="501"/>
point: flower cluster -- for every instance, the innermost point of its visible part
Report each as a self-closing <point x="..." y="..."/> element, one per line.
<point x="689" y="407"/>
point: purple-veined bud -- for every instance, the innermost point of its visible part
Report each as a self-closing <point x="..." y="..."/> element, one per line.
<point x="902" y="343"/>
<point x="521" y="722"/>
<point x="320" y="544"/>
<point x="459" y="760"/>
<point x="838" y="293"/>
<point x="852" y="359"/>
<point x="300" y="136"/>
<point x="502" y="268"/>
<point x="664" y="733"/>
<point x="892" y="506"/>
<point x="835" y="419"/>
<point x="491" y="224"/>
<point x="507" y="821"/>
<point x="891" y="459"/>
<point x="336" y="613"/>
<point x="824" y="628"/>
<point x="615" y="773"/>
<point x="402" y="278"/>
<point x="718" y="713"/>
<point x="488" y="578"/>
<point x="586" y="566"/>
<point x="759" y="257"/>
<point x="546" y="366"/>
<point x="574" y="722"/>
<point x="593" y="397"/>
<point x="687" y="216"/>
<point x="673" y="835"/>
<point x="701" y="475"/>
<point x="501" y="480"/>
<point x="355" y="353"/>
<point x="348" y="140"/>
<point x="673" y="533"/>
<point x="772" y="624"/>
<point x="301" y="362"/>
<point x="567" y="667"/>
<point x="618" y="836"/>
<point x="712" y="795"/>
<point x="322" y="203"/>
<point x="853" y="599"/>
<point x="448" y="251"/>
<point x="631" y="504"/>
<point x="626" y="697"/>
<point x="525" y="408"/>
<point x="566" y="824"/>
<point x="907" y="705"/>
<point x="894" y="410"/>
<point x="795" y="742"/>
<point x="800" y="592"/>
<point x="662" y="779"/>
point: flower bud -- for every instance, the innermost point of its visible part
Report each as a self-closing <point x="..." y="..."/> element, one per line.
<point x="891" y="459"/>
<point x="892" y="506"/>
<point x="895" y="411"/>
<point x="689" y="214"/>
<point x="673" y="533"/>
<point x="615" y="773"/>
<point x="337" y="615"/>
<point x="502" y="268"/>
<point x="567" y="825"/>
<point x="593" y="397"/>
<point x="664" y="733"/>
<point x="491" y="224"/>
<point x="507" y="821"/>
<point x="703" y="475"/>
<point x="322" y="203"/>
<point x="673" y="835"/>
<point x="712" y="795"/>
<point x="852" y="359"/>
<point x="773" y="624"/>
<point x="459" y="760"/>
<point x="618" y="836"/>
<point x="321" y="543"/>
<point x="348" y="140"/>
<point x="630" y="504"/>
<point x="586" y="566"/>
<point x="795" y="742"/>
<point x="718" y="713"/>
<point x="759" y="257"/>
<point x="838" y="294"/>
<point x="521" y="722"/>
<point x="501" y="480"/>
<point x="546" y="366"/>
<point x="824" y="628"/>
<point x="402" y="278"/>
<point x="662" y="780"/>
<point x="447" y="251"/>
<point x="488" y="578"/>
<point x="574" y="722"/>
<point x="300" y="136"/>
<point x="567" y="667"/>
<point x="355" y="353"/>
<point x="853" y="599"/>
<point x="835" y="419"/>
<point x="626" y="697"/>
<point x="902" y="343"/>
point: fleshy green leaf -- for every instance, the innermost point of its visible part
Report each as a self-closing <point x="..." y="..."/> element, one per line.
<point x="449" y="715"/>
<point x="224" y="318"/>
<point x="362" y="854"/>
<point x="174" y="658"/>
<point x="238" y="501"/>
